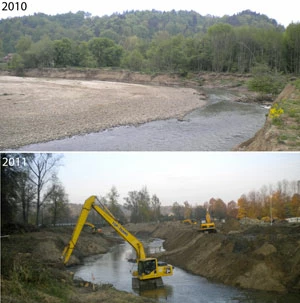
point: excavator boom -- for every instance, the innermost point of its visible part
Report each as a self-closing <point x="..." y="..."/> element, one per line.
<point x="110" y="219"/>
<point x="149" y="269"/>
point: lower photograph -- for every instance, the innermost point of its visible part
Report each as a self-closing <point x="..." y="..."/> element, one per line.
<point x="150" y="227"/>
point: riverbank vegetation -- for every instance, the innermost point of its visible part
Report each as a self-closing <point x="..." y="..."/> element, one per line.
<point x="151" y="41"/>
<point x="31" y="271"/>
<point x="282" y="127"/>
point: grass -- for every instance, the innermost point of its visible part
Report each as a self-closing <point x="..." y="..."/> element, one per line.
<point x="27" y="277"/>
<point x="285" y="117"/>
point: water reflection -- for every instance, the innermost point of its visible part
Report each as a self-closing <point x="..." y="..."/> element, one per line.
<point x="113" y="268"/>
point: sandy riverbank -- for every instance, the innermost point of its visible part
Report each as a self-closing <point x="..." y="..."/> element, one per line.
<point x="42" y="109"/>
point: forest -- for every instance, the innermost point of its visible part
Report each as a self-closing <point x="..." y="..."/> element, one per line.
<point x="151" y="41"/>
<point x="31" y="193"/>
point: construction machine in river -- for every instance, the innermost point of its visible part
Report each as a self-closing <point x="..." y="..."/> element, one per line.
<point x="149" y="271"/>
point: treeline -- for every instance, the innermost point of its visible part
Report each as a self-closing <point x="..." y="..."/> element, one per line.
<point x="30" y="187"/>
<point x="152" y="41"/>
<point x="281" y="201"/>
<point x="31" y="193"/>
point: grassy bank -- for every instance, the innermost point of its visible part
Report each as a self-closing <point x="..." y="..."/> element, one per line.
<point x="281" y="131"/>
<point x="31" y="272"/>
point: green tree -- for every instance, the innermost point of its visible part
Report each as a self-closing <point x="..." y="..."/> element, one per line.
<point x="40" y="54"/>
<point x="106" y="52"/>
<point x="139" y="203"/>
<point x="133" y="60"/>
<point x="292" y="47"/>
<point x="63" y="52"/>
<point x="23" y="45"/>
<point x="1" y="48"/>
<point x="17" y="64"/>
<point x="222" y="39"/>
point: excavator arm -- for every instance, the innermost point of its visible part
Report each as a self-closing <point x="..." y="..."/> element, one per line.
<point x="110" y="219"/>
<point x="150" y="271"/>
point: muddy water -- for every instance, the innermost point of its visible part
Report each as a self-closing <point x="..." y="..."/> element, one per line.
<point x="219" y="126"/>
<point x="113" y="268"/>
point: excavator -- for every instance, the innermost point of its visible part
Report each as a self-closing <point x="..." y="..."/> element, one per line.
<point x="149" y="271"/>
<point x="208" y="226"/>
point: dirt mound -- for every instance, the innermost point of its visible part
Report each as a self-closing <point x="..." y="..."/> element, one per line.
<point x="257" y="257"/>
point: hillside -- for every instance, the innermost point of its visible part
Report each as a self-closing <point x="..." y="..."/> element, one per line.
<point x="150" y="42"/>
<point x="83" y="26"/>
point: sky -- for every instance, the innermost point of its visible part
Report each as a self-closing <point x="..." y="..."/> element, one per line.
<point x="195" y="177"/>
<point x="284" y="12"/>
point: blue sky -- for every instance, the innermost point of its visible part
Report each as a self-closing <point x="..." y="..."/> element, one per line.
<point x="283" y="11"/>
<point x="175" y="176"/>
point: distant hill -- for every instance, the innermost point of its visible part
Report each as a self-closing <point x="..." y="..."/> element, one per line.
<point x="82" y="26"/>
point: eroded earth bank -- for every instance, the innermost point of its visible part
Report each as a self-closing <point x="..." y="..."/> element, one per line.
<point x="260" y="257"/>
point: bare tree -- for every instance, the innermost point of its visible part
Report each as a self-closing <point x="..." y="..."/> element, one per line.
<point x="42" y="168"/>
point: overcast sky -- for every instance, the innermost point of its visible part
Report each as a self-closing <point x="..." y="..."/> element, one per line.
<point x="175" y="176"/>
<point x="284" y="12"/>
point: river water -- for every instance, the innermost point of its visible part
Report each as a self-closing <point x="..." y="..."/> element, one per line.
<point x="113" y="268"/>
<point x="219" y="126"/>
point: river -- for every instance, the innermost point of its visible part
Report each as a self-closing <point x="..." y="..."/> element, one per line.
<point x="113" y="268"/>
<point x="218" y="126"/>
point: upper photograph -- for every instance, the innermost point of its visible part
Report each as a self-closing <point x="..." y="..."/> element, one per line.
<point x="132" y="76"/>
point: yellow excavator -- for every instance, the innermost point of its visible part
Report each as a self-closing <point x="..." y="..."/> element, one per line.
<point x="208" y="226"/>
<point x="149" y="271"/>
<point x="93" y="227"/>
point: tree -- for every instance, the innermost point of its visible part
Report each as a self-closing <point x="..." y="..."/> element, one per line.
<point x="63" y="53"/>
<point x="155" y="206"/>
<point x="111" y="201"/>
<point x="23" y="45"/>
<point x="232" y="210"/>
<point x="9" y="190"/>
<point x="178" y="211"/>
<point x="132" y="204"/>
<point x="292" y="47"/>
<point x="222" y="40"/>
<point x="187" y="210"/>
<point x="242" y="207"/>
<point x="26" y="195"/>
<point x="295" y="205"/>
<point x="106" y="52"/>
<point x="218" y="209"/>
<point x="41" y="172"/>
<point x="57" y="200"/>
<point x="138" y="202"/>
<point x="40" y="54"/>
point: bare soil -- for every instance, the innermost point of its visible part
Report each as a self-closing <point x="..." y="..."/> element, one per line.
<point x="42" y="109"/>
<point x="258" y="257"/>
<point x="282" y="134"/>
